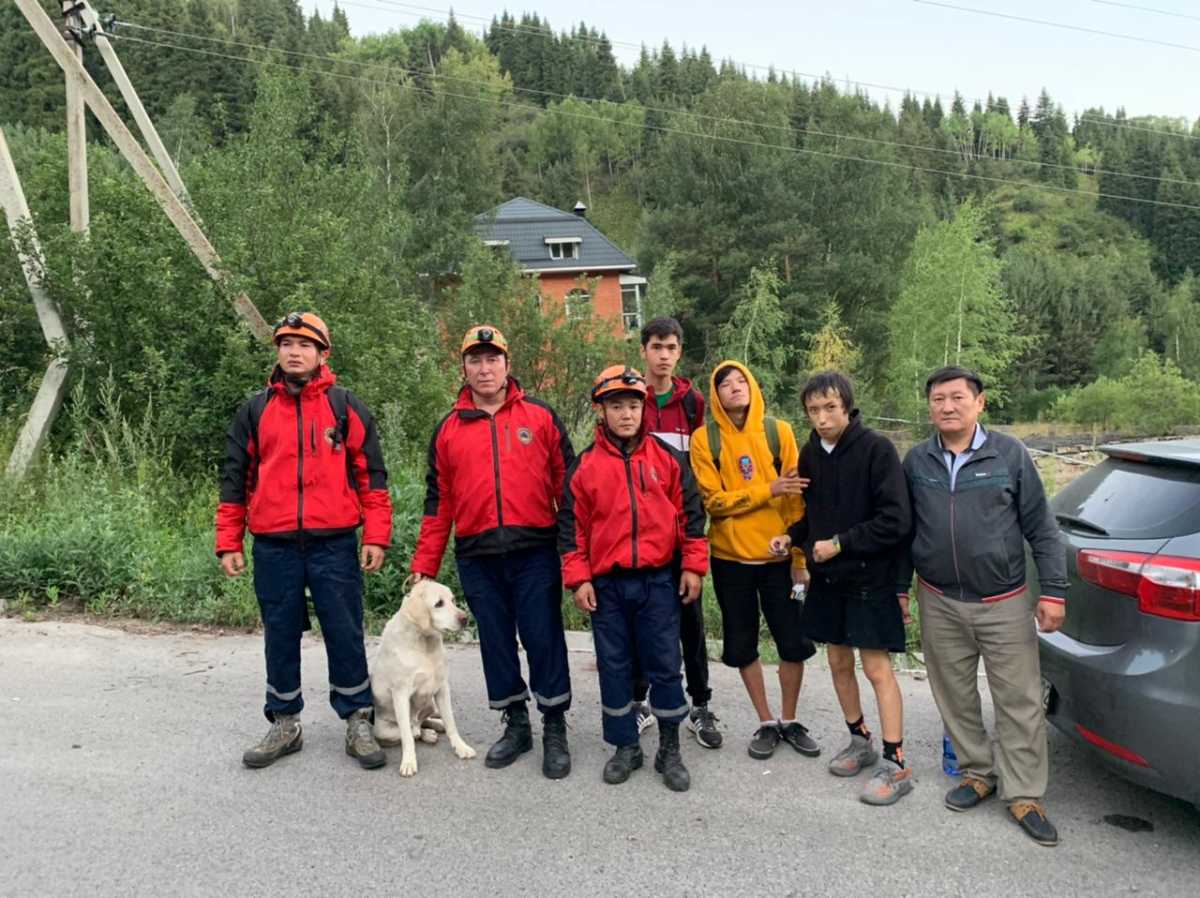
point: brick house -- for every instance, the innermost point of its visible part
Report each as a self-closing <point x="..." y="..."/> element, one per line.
<point x="579" y="269"/>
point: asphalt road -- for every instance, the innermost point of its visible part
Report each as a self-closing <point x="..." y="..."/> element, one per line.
<point x="120" y="774"/>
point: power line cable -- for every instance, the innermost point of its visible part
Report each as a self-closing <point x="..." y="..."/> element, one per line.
<point x="790" y="129"/>
<point x="1064" y="25"/>
<point x="675" y="131"/>
<point x="1134" y="6"/>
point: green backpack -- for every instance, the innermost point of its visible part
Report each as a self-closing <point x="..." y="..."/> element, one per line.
<point x="770" y="425"/>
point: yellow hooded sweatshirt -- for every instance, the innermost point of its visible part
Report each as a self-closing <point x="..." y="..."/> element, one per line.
<point x="744" y="516"/>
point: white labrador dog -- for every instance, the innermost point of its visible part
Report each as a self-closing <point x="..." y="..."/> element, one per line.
<point x="412" y="692"/>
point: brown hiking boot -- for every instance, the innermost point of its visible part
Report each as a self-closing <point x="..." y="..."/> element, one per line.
<point x="284" y="737"/>
<point x="360" y="740"/>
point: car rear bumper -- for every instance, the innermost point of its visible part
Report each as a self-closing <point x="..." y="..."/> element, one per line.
<point x="1144" y="701"/>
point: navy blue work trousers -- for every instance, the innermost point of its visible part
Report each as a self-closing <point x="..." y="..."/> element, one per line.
<point x="328" y="568"/>
<point x="637" y="615"/>
<point x="515" y="593"/>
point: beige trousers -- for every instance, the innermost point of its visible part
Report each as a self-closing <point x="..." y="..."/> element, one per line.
<point x="954" y="635"/>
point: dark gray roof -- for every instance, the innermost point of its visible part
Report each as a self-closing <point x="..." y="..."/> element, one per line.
<point x="525" y="225"/>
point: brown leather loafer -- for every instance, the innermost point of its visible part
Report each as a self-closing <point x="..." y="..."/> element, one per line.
<point x="1031" y="816"/>
<point x="968" y="793"/>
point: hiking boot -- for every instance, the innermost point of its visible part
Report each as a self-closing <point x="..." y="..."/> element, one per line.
<point x="968" y="793"/>
<point x="517" y="738"/>
<point x="624" y="761"/>
<point x="703" y="724"/>
<point x="360" y="740"/>
<point x="556" y="757"/>
<point x="1031" y="816"/>
<point x="856" y="756"/>
<point x="888" y="784"/>
<point x="766" y="739"/>
<point x="284" y="737"/>
<point x="668" y="761"/>
<point x="796" y="735"/>
<point x="642" y="716"/>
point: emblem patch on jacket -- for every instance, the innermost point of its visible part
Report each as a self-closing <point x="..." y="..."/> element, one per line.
<point x="524" y="435"/>
<point x="746" y="466"/>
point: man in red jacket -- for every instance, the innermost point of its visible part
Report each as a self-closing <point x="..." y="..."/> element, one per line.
<point x="674" y="410"/>
<point x="629" y="507"/>
<point x="496" y="467"/>
<point x="304" y="470"/>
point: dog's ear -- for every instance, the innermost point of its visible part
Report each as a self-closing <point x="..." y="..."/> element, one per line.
<point x="417" y="608"/>
<point x="407" y="583"/>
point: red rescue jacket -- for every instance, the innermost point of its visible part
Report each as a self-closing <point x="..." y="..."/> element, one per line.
<point x="298" y="471"/>
<point x="629" y="511"/>
<point x="683" y="414"/>
<point x="494" y="480"/>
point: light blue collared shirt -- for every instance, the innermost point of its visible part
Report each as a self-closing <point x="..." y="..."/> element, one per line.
<point x="954" y="462"/>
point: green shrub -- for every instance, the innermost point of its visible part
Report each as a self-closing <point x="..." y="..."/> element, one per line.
<point x="1152" y="399"/>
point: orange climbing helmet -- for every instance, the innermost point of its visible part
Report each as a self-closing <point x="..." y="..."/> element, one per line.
<point x="483" y="335"/>
<point x="303" y="324"/>
<point x="615" y="380"/>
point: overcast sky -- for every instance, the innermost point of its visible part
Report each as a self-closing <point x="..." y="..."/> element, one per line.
<point x="895" y="43"/>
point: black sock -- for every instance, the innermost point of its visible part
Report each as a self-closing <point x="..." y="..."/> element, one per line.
<point x="894" y="752"/>
<point x="858" y="728"/>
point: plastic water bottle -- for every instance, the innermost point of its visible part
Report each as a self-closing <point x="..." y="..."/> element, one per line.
<point x="949" y="758"/>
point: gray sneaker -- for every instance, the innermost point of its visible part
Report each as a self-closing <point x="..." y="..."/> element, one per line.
<point x="888" y="784"/>
<point x="642" y="716"/>
<point x="360" y="741"/>
<point x="284" y="737"/>
<point x="851" y="760"/>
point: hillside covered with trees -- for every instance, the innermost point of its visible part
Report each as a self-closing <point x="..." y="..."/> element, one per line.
<point x="795" y="221"/>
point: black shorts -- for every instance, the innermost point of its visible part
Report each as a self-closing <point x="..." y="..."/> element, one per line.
<point x="855" y="616"/>
<point x="741" y="590"/>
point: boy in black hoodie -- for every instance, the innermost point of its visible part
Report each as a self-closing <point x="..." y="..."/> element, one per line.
<point x="857" y="516"/>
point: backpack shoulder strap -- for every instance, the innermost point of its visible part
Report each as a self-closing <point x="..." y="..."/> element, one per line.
<point x="771" y="426"/>
<point x="689" y="405"/>
<point x="714" y="443"/>
<point x="258" y="404"/>
<point x="339" y="401"/>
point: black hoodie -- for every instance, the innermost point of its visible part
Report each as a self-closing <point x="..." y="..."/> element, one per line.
<point x="858" y="493"/>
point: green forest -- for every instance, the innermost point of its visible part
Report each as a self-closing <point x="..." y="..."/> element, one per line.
<point x="791" y="221"/>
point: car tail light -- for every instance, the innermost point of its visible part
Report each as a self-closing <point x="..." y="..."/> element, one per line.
<point x="1164" y="585"/>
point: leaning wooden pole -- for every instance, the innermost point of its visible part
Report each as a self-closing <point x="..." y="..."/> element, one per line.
<point x="54" y="384"/>
<point x="149" y="133"/>
<point x="178" y="214"/>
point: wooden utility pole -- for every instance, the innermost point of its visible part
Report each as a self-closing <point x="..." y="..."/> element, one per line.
<point x="174" y="208"/>
<point x="77" y="172"/>
<point x="54" y="384"/>
<point x="95" y="30"/>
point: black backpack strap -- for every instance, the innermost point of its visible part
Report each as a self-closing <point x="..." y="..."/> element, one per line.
<point x="339" y="401"/>
<point x="258" y="404"/>
<point x="689" y="405"/>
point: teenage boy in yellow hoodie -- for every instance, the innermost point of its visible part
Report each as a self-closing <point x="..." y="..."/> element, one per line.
<point x="745" y="465"/>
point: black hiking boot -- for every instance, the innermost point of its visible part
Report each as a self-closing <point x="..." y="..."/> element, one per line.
<point x="517" y="738"/>
<point x="668" y="761"/>
<point x="556" y="757"/>
<point x="624" y="761"/>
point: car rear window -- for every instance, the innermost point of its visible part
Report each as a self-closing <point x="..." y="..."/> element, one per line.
<point x="1134" y="500"/>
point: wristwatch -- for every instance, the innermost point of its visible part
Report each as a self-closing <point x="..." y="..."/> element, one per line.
<point x="837" y="544"/>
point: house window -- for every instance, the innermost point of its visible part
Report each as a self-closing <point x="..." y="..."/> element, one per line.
<point x="563" y="247"/>
<point x="631" y="306"/>
<point x="579" y="305"/>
